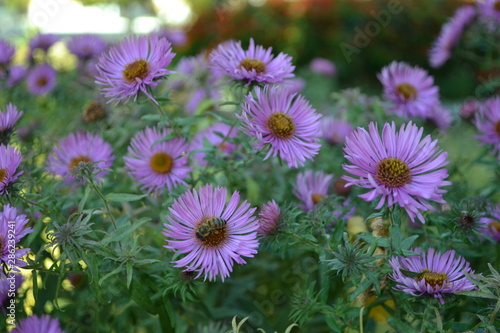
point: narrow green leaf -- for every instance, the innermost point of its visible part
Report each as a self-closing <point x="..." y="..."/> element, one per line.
<point x="124" y="197"/>
<point x="110" y="274"/>
<point x="408" y="242"/>
<point x="475" y="293"/>
<point x="130" y="273"/>
<point x="140" y="295"/>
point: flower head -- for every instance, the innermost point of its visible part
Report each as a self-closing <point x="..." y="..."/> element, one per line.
<point x="269" y="218"/>
<point x="335" y="131"/>
<point x="449" y="35"/>
<point x="491" y="225"/>
<point x="157" y="164"/>
<point x="7" y="121"/>
<point x="285" y="121"/>
<point x="177" y="37"/>
<point x="36" y="324"/>
<point x="217" y="135"/>
<point x="488" y="123"/>
<point x="10" y="220"/>
<point x="42" y="42"/>
<point x="398" y="167"/>
<point x="16" y="74"/>
<point x="212" y="232"/>
<point x="10" y="159"/>
<point x="323" y="66"/>
<point x="7" y="51"/>
<point x="441" y="117"/>
<point x="86" y="46"/>
<point x="311" y="188"/>
<point x="469" y="109"/>
<point x="489" y="10"/>
<point x="411" y="90"/>
<point x="134" y="66"/>
<point x="41" y="79"/>
<point x="439" y="273"/>
<point x="80" y="147"/>
<point x="255" y="65"/>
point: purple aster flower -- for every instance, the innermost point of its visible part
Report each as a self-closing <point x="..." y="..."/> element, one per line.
<point x="35" y="324"/>
<point x="10" y="220"/>
<point x="157" y="164"/>
<point x="469" y="109"/>
<point x="177" y="37"/>
<point x="411" y="90"/>
<point x="86" y="46"/>
<point x="441" y="117"/>
<point x="16" y="74"/>
<point x="255" y="65"/>
<point x="489" y="10"/>
<point x="8" y="287"/>
<point x="216" y="135"/>
<point x="335" y="131"/>
<point x="439" y="273"/>
<point x="42" y="42"/>
<point x="294" y="86"/>
<point x="285" y="121"/>
<point x="269" y="218"/>
<point x="488" y="123"/>
<point x="7" y="51"/>
<point x="323" y="66"/>
<point x="41" y="79"/>
<point x="449" y="35"/>
<point x="10" y="159"/>
<point x="134" y="66"/>
<point x="311" y="188"/>
<point x="398" y="167"/>
<point x="212" y="232"/>
<point x="490" y="226"/>
<point x="76" y="148"/>
<point x="7" y="121"/>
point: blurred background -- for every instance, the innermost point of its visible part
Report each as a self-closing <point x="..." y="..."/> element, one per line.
<point x="305" y="29"/>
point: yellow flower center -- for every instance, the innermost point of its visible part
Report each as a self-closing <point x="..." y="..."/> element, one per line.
<point x="253" y="64"/>
<point x="497" y="128"/>
<point x="281" y="125"/>
<point x="3" y="174"/>
<point x="138" y="69"/>
<point x="162" y="163"/>
<point x="317" y="198"/>
<point x="212" y="232"/>
<point x="74" y="162"/>
<point x="408" y="91"/>
<point x="432" y="278"/>
<point x="393" y="172"/>
<point x="42" y="81"/>
<point x="495" y="225"/>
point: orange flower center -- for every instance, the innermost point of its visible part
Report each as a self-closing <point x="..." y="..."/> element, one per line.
<point x="138" y="69"/>
<point x="42" y="81"/>
<point x="3" y="174"/>
<point x="253" y="64"/>
<point x="408" y="91"/>
<point x="281" y="125"/>
<point x="75" y="161"/>
<point x="393" y="172"/>
<point x="497" y="128"/>
<point x="211" y="231"/>
<point x="317" y="198"/>
<point x="432" y="278"/>
<point x="162" y="163"/>
<point x="495" y="225"/>
<point x="497" y="6"/>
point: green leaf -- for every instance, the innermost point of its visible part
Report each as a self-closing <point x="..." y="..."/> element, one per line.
<point x="130" y="273"/>
<point x="475" y="293"/>
<point x="408" y="242"/>
<point x="401" y="325"/>
<point x="84" y="199"/>
<point x="124" y="197"/>
<point x="110" y="274"/>
<point x="124" y="231"/>
<point x="142" y="297"/>
<point x="152" y="117"/>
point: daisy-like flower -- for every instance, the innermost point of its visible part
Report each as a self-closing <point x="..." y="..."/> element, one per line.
<point x="311" y="188"/>
<point x="156" y="165"/>
<point x="42" y="42"/>
<point x="10" y="159"/>
<point x="450" y="33"/>
<point x="80" y="147"/>
<point x="16" y="74"/>
<point x="335" y="131"/>
<point x="410" y="89"/>
<point x="10" y="222"/>
<point x="441" y="117"/>
<point x="491" y="225"/>
<point x="36" y="324"/>
<point x="489" y="9"/>
<point x="469" y="109"/>
<point x="41" y="79"/>
<point x="86" y="46"/>
<point x="439" y="273"/>
<point x="269" y="218"/>
<point x="7" y="51"/>
<point x="7" y="121"/>
<point x="488" y="123"/>
<point x="217" y="136"/>
<point x="285" y="121"/>
<point x="134" y="66"/>
<point x="212" y="233"/>
<point x="177" y="37"/>
<point x="294" y="86"/>
<point x="398" y="167"/>
<point x="323" y="66"/>
<point x="255" y="65"/>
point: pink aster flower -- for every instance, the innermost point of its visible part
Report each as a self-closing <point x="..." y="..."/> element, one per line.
<point x="36" y="324"/>
<point x="489" y="10"/>
<point x="7" y="51"/>
<point x="323" y="66"/>
<point x="488" y="123"/>
<point x="134" y="66"/>
<point x="399" y="167"/>
<point x="217" y="135"/>
<point x="157" y="164"/>
<point x="41" y="80"/>
<point x="439" y="273"/>
<point x="449" y="35"/>
<point x="10" y="220"/>
<point x="491" y="225"/>
<point x="311" y="188"/>
<point x="7" y="121"/>
<point x="10" y="159"/>
<point x="469" y="109"/>
<point x="410" y="89"/>
<point x="177" y="37"/>
<point x="212" y="232"/>
<point x="285" y="121"/>
<point x="255" y="65"/>
<point x="269" y="218"/>
<point x="335" y="131"/>
<point x="441" y="117"/>
<point x="294" y="86"/>
<point x="80" y="147"/>
<point x="86" y="46"/>
<point x="16" y="74"/>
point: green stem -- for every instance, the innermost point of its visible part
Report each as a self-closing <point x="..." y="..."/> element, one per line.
<point x="424" y="319"/>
